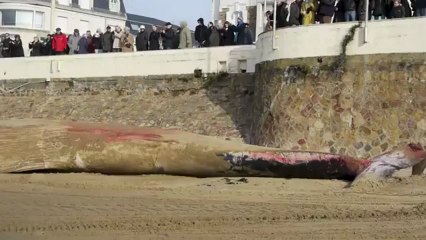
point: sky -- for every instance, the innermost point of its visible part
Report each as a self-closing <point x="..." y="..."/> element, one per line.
<point x="172" y="11"/>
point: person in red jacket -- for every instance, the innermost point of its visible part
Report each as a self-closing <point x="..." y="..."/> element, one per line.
<point x="59" y="43"/>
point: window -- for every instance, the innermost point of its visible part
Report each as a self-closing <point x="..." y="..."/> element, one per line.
<point x="101" y="4"/>
<point x="24" y="19"/>
<point x="62" y="22"/>
<point x="134" y="26"/>
<point x="39" y="20"/>
<point x="64" y="2"/>
<point x="114" y="5"/>
<point x="84" y="26"/>
<point x="8" y="17"/>
<point x="21" y="18"/>
<point x="85" y="4"/>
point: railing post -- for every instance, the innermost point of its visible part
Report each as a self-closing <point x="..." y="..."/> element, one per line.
<point x="367" y="14"/>
<point x="274" y="47"/>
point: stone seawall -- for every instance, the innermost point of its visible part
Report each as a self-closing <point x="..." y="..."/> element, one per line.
<point x="376" y="103"/>
<point x="217" y="105"/>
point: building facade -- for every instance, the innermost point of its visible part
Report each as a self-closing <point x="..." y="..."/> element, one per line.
<point x="251" y="11"/>
<point x="30" y="18"/>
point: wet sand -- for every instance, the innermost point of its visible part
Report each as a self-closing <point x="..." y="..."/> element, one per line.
<point x="91" y="206"/>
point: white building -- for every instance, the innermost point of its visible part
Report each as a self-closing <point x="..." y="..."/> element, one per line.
<point x="251" y="11"/>
<point x="30" y="18"/>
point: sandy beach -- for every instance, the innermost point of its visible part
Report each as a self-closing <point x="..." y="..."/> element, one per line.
<point x="93" y="206"/>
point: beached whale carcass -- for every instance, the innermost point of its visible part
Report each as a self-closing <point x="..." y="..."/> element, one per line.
<point x="45" y="145"/>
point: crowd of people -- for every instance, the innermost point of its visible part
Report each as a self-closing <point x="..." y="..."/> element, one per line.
<point x="304" y="12"/>
<point x="121" y="40"/>
<point x="289" y="13"/>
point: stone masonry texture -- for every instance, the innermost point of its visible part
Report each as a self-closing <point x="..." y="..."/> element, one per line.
<point x="217" y="105"/>
<point x="377" y="103"/>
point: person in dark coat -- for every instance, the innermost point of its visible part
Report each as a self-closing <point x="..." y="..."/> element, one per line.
<point x="239" y="31"/>
<point x="97" y="41"/>
<point x="35" y="47"/>
<point x="339" y="13"/>
<point x="290" y="14"/>
<point x="142" y="39"/>
<point x="349" y="7"/>
<point x="361" y="11"/>
<point x="107" y="40"/>
<point x="214" y="36"/>
<point x="227" y="35"/>
<point x="16" y="49"/>
<point x="154" y="39"/>
<point x="420" y="8"/>
<point x="398" y="11"/>
<point x="248" y="35"/>
<point x="46" y="46"/>
<point x="407" y="8"/>
<point x="202" y="33"/>
<point x="7" y="43"/>
<point x="326" y="10"/>
<point x="168" y="35"/>
<point x="83" y="45"/>
<point x="378" y="9"/>
<point x="176" y="39"/>
<point x="279" y="18"/>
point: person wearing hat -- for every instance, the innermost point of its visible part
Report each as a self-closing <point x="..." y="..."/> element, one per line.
<point x="202" y="33"/>
<point x="142" y="39"/>
<point x="168" y="35"/>
<point x="107" y="40"/>
<point x="73" y="42"/>
<point x="59" y="42"/>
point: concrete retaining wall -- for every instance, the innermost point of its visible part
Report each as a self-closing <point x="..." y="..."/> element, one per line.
<point x="171" y="62"/>
<point x="387" y="36"/>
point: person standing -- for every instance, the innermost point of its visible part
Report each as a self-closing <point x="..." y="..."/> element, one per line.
<point x="97" y="41"/>
<point x="46" y="46"/>
<point x="7" y="42"/>
<point x="185" y="36"/>
<point x="127" y="41"/>
<point x="91" y="48"/>
<point x="214" y="37"/>
<point x="118" y="33"/>
<point x="154" y="39"/>
<point x="176" y="39"/>
<point x="142" y="39"/>
<point x="83" y="45"/>
<point x="239" y="31"/>
<point x="326" y="10"/>
<point x="420" y="8"/>
<point x="16" y="49"/>
<point x="227" y="34"/>
<point x="107" y="40"/>
<point x="35" y="47"/>
<point x="73" y="42"/>
<point x="308" y="9"/>
<point x="290" y="13"/>
<point x="248" y="35"/>
<point x="201" y="33"/>
<point x="168" y="35"/>
<point x="349" y="7"/>
<point x="378" y="9"/>
<point x="59" y="42"/>
<point x="398" y="10"/>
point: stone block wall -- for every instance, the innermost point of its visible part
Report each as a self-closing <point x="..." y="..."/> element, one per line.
<point x="215" y="106"/>
<point x="377" y="103"/>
